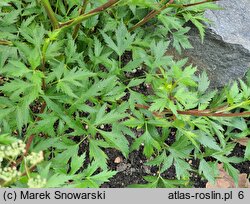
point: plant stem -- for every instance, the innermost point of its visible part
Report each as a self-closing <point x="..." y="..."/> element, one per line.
<point x="193" y="4"/>
<point x="153" y="13"/>
<point x="198" y="3"/>
<point x="83" y="17"/>
<point x="242" y="104"/>
<point x="104" y="6"/>
<point x="6" y="43"/>
<point x="50" y="13"/>
<point x="81" y="12"/>
<point x="198" y="113"/>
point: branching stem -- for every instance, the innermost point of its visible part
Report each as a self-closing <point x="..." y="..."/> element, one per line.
<point x="153" y="13"/>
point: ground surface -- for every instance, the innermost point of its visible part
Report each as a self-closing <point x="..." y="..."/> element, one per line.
<point x="132" y="170"/>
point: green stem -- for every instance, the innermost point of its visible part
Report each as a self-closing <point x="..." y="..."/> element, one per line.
<point x="242" y="104"/>
<point x="76" y="21"/>
<point x="6" y="43"/>
<point x="50" y="13"/>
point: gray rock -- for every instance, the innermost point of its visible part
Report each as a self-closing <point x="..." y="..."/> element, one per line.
<point x="233" y="22"/>
<point x="225" y="53"/>
<point x="223" y="62"/>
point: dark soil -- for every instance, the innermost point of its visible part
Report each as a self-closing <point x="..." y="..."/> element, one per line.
<point x="243" y="167"/>
<point x="132" y="170"/>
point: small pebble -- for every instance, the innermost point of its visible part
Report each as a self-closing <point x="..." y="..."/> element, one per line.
<point x="118" y="160"/>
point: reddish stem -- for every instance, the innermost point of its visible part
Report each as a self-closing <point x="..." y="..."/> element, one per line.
<point x="206" y="113"/>
<point x="153" y="13"/>
<point x="198" y="3"/>
<point x="91" y="13"/>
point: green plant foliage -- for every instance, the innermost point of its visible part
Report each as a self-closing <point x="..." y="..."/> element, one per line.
<point x="70" y="90"/>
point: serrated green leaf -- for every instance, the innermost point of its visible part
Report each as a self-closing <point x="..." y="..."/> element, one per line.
<point x="16" y="69"/>
<point x="76" y="163"/>
<point x="111" y="117"/>
<point x="233" y="172"/>
<point x="57" y="180"/>
<point x="173" y="183"/>
<point x="203" y="82"/>
<point x="59" y="110"/>
<point x="6" y="139"/>
<point x="97" y="153"/>
<point x="247" y="151"/>
<point x="102" y="177"/>
<point x="167" y="163"/>
<point x="207" y="171"/>
<point x="123" y="40"/>
<point x="135" y="82"/>
<point x="191" y="136"/>
<point x="149" y="144"/>
<point x="218" y="131"/>
<point x="182" y="168"/>
<point x="158" y="105"/>
<point x="158" y="122"/>
<point x="63" y="157"/>
<point x="181" y="40"/>
<point x="133" y="122"/>
<point x="207" y="141"/>
<point x="133" y="64"/>
<point x="117" y="140"/>
<point x="45" y="144"/>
